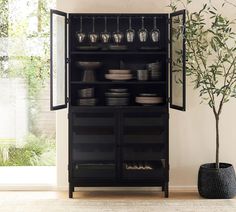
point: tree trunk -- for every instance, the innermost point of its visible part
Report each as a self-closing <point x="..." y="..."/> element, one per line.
<point x="217" y="141"/>
<point x="40" y="4"/>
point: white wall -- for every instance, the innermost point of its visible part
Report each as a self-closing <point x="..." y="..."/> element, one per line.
<point x="191" y="132"/>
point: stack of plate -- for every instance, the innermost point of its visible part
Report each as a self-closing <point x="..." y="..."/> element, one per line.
<point x="119" y="74"/>
<point x="86" y="93"/>
<point x="86" y="97"/>
<point x="148" y="99"/>
<point x="117" y="97"/>
<point x="87" y="102"/>
<point x="154" y="70"/>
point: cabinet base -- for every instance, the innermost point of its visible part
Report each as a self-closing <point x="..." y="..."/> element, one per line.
<point x="165" y="189"/>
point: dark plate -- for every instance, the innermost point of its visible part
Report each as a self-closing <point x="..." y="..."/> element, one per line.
<point x="88" y="48"/>
<point x="118" y="47"/>
<point x="118" y="90"/>
<point x="148" y="94"/>
<point x="148" y="48"/>
<point x="115" y="94"/>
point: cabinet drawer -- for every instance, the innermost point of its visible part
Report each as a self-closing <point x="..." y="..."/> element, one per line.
<point x="142" y="153"/>
<point x="93" y="121"/>
<point x="144" y="118"/>
<point x="93" y="152"/>
<point x="88" y="138"/>
<point x="94" y="171"/>
<point x="144" y="138"/>
<point x="144" y="121"/>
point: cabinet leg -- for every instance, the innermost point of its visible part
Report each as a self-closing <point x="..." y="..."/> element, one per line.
<point x="71" y="190"/>
<point x="166" y="188"/>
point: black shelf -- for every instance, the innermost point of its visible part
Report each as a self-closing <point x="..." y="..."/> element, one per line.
<point x="159" y="108"/>
<point x="119" y="52"/>
<point x="120" y="83"/>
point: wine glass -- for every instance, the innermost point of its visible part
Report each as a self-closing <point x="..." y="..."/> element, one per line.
<point x="118" y="36"/>
<point x="143" y="33"/>
<point x="80" y="34"/>
<point x="93" y="37"/>
<point x="130" y="33"/>
<point x="155" y="33"/>
<point x="105" y="36"/>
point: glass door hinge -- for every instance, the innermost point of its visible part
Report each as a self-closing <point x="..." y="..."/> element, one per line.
<point x="67" y="100"/>
<point x="67" y="60"/>
<point x="67" y="20"/>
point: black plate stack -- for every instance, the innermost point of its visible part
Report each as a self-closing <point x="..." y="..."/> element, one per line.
<point x="117" y="97"/>
<point x="86" y="97"/>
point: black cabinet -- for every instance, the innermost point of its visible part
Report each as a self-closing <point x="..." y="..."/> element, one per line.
<point x="117" y="90"/>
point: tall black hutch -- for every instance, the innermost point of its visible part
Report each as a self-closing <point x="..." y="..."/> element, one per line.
<point x="124" y="143"/>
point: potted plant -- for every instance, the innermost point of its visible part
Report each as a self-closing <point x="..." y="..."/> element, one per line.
<point x="211" y="64"/>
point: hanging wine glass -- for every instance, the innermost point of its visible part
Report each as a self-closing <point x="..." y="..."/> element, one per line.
<point x="130" y="33"/>
<point x="143" y="33"/>
<point x="80" y="34"/>
<point x="105" y="36"/>
<point x="118" y="36"/>
<point x="155" y="33"/>
<point x="93" y="37"/>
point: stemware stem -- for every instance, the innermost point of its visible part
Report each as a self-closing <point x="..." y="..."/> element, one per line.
<point x="105" y="24"/>
<point x="81" y="23"/>
<point x="118" y="23"/>
<point x="93" y="25"/>
<point x="155" y="23"/>
<point x="142" y="22"/>
<point x="130" y="24"/>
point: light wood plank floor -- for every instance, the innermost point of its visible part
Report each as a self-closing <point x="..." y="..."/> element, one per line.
<point x="95" y="195"/>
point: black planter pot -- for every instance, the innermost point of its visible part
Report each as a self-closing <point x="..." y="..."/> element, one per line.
<point x="217" y="183"/>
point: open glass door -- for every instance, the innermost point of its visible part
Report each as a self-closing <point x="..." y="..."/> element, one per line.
<point x="177" y="63"/>
<point x="58" y="65"/>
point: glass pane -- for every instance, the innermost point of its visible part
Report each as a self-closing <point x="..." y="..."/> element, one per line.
<point x="27" y="126"/>
<point x="58" y="60"/>
<point x="177" y="62"/>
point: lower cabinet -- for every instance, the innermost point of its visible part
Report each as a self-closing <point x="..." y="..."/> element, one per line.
<point x="118" y="148"/>
<point x="94" y="171"/>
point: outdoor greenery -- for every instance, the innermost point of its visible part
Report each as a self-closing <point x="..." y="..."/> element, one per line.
<point x="30" y="63"/>
<point x="37" y="151"/>
<point x="210" y="56"/>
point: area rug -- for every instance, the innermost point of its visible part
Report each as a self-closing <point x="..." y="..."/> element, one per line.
<point x="76" y="205"/>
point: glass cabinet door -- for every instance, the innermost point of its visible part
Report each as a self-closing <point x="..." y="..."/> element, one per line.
<point x="58" y="65"/>
<point x="177" y="63"/>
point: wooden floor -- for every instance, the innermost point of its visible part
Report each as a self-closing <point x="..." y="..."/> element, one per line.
<point x="135" y="195"/>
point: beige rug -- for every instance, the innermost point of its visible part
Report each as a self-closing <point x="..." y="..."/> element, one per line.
<point x="76" y="205"/>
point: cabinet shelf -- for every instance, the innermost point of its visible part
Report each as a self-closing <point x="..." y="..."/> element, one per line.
<point x="120" y="83"/>
<point x="160" y="108"/>
<point x="118" y="53"/>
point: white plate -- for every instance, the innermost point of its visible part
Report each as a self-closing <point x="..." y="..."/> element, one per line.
<point x="149" y="100"/>
<point x="119" y="71"/>
<point x="118" y="76"/>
